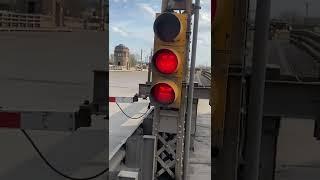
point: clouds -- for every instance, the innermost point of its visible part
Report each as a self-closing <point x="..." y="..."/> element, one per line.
<point x="119" y="1"/>
<point x="205" y="17"/>
<point x="131" y="23"/>
<point x="119" y="30"/>
<point x="147" y="9"/>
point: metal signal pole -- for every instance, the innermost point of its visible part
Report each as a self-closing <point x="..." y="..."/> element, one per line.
<point x="191" y="86"/>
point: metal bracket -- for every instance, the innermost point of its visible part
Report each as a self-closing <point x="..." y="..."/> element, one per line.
<point x="198" y="93"/>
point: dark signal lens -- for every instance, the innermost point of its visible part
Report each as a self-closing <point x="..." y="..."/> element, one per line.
<point x="165" y="61"/>
<point x="163" y="93"/>
<point x="167" y="27"/>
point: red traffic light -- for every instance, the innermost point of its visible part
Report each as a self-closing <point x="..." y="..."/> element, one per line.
<point x="163" y="93"/>
<point x="165" y="61"/>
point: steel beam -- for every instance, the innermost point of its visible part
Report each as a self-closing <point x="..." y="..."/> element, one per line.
<point x="134" y="151"/>
<point x="282" y="98"/>
<point x="116" y="160"/>
<point x="228" y="157"/>
<point x="227" y="89"/>
<point x="148" y="161"/>
<point x="292" y="99"/>
<point x="198" y="93"/>
<point x="128" y="175"/>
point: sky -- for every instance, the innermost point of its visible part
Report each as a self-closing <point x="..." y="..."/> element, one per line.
<point x="131" y="24"/>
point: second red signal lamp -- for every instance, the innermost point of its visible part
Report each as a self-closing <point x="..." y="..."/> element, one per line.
<point x="165" y="61"/>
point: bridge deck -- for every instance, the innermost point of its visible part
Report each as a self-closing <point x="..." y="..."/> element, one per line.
<point x="292" y="60"/>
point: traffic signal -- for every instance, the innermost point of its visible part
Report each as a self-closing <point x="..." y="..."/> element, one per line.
<point x="169" y="59"/>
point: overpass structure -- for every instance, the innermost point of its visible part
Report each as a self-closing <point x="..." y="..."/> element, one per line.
<point x="255" y="83"/>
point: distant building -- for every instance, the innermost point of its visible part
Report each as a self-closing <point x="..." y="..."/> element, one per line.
<point x="121" y="56"/>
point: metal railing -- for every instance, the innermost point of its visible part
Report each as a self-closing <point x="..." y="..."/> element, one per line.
<point x="11" y="21"/>
<point x="206" y="74"/>
<point x="19" y="21"/>
<point x="78" y="23"/>
<point x="116" y="68"/>
<point x="307" y="40"/>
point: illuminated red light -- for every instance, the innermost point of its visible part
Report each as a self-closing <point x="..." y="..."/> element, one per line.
<point x="166" y="61"/>
<point x="163" y="93"/>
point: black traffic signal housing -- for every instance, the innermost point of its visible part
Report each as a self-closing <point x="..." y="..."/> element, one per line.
<point x="168" y="63"/>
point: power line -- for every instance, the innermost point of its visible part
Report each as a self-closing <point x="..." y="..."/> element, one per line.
<point x="56" y="170"/>
<point x="130" y="116"/>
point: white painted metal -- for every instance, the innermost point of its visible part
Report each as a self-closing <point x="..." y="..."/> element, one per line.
<point x="121" y="99"/>
<point x="128" y="175"/>
<point x="121" y="127"/>
<point x="48" y="120"/>
<point x="45" y="120"/>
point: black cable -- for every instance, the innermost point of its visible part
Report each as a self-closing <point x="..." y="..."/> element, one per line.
<point x="53" y="168"/>
<point x="130" y="116"/>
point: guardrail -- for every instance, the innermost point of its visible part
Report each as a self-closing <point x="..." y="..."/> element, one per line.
<point x="20" y="21"/>
<point x="116" y="68"/>
<point x="206" y="74"/>
<point x="307" y="40"/>
<point x="11" y="21"/>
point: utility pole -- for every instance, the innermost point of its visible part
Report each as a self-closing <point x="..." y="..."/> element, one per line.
<point x="141" y="59"/>
<point x="149" y="67"/>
